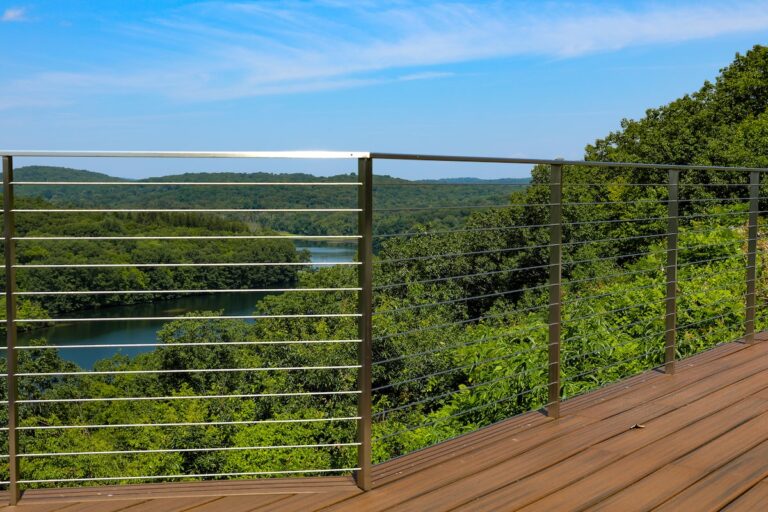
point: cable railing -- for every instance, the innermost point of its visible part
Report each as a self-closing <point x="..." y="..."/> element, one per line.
<point x="465" y="303"/>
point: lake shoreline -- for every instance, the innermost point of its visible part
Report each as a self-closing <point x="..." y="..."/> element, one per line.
<point x="128" y="332"/>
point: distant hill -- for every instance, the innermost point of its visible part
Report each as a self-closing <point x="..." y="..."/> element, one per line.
<point x="52" y="173"/>
<point x="47" y="173"/>
<point x="401" y="203"/>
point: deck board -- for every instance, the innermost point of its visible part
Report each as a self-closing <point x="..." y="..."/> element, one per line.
<point x="703" y="446"/>
<point x="756" y="498"/>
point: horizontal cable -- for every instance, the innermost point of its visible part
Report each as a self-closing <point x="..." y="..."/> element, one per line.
<point x="474" y="364"/>
<point x="618" y="256"/>
<point x="190" y="370"/>
<point x="697" y="307"/>
<point x="610" y="276"/>
<point x="146" y="265"/>
<point x="191" y="475"/>
<point x="616" y="363"/>
<point x="614" y="184"/>
<point x="661" y="201"/>
<point x="619" y="239"/>
<point x="639" y="237"/>
<point x="603" y="295"/>
<point x="456" y="184"/>
<point x="456" y="207"/>
<point x="453" y="392"/>
<point x="649" y="253"/>
<point x="193" y="237"/>
<point x="184" y="424"/>
<point x="195" y="344"/>
<point x="692" y="293"/>
<point x="462" y="413"/>
<point x="202" y="291"/>
<point x="164" y="318"/>
<point x="716" y="215"/>
<point x="711" y="289"/>
<point x="180" y="397"/>
<point x="659" y="301"/>
<point x="718" y="317"/>
<point x="746" y="184"/>
<point x="598" y="203"/>
<point x="705" y="199"/>
<point x="455" y="301"/>
<point x="458" y="254"/>
<point x="187" y="450"/>
<point x="710" y="260"/>
<point x="705" y="246"/>
<point x="617" y="329"/>
<point x="567" y="359"/>
<point x="468" y="230"/>
<point x="463" y="276"/>
<point x="723" y="329"/>
<point x="613" y="221"/>
<point x="450" y="347"/>
<point x="196" y="183"/>
<point x="460" y="322"/>
<point x="188" y="210"/>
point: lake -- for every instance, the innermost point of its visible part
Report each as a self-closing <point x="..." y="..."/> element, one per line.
<point x="145" y="331"/>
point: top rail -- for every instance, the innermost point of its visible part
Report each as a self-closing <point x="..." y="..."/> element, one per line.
<point x="310" y="155"/>
<point x="346" y="155"/>
<point x="544" y="161"/>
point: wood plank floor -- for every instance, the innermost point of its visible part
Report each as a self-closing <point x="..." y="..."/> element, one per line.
<point x="696" y="440"/>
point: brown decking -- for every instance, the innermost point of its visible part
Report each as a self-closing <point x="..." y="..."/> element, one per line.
<point x="699" y="442"/>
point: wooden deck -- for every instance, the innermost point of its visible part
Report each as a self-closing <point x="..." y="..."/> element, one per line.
<point x="695" y="441"/>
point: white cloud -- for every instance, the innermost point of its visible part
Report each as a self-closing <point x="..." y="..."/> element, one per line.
<point x="225" y="50"/>
<point x="13" y="14"/>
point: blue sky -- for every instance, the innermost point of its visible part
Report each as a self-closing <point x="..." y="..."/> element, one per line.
<point x="535" y="79"/>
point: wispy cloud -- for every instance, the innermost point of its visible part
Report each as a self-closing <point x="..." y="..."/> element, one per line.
<point x="229" y="50"/>
<point x="13" y="14"/>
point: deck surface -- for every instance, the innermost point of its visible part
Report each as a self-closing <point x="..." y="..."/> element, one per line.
<point x="696" y="440"/>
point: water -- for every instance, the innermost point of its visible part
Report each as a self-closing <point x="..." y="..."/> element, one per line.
<point x="145" y="331"/>
<point x="329" y="253"/>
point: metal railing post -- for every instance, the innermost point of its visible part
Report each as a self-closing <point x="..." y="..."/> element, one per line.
<point x="10" y="327"/>
<point x="754" y="209"/>
<point x="555" y="288"/>
<point x="365" y="330"/>
<point x="670" y="317"/>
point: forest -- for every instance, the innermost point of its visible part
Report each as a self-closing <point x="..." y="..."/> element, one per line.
<point x="460" y="325"/>
<point x="471" y="194"/>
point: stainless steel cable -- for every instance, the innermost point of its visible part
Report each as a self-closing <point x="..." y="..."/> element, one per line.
<point x="453" y="392"/>
<point x="460" y="345"/>
<point x="182" y="424"/>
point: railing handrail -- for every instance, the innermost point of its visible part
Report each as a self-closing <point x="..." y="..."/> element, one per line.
<point x="303" y="154"/>
<point x="364" y="236"/>
<point x="557" y="161"/>
<point x="354" y="155"/>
